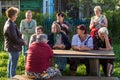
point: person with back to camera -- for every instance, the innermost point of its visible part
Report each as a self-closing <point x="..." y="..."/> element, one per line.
<point x="80" y="42"/>
<point x="102" y="42"/>
<point x="58" y="40"/>
<point x="27" y="28"/>
<point x="38" y="63"/>
<point x="97" y="21"/>
<point x="13" y="41"/>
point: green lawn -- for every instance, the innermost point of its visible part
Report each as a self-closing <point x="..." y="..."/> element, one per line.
<point x="80" y="71"/>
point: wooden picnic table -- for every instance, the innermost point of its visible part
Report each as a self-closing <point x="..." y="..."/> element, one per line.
<point x="93" y="56"/>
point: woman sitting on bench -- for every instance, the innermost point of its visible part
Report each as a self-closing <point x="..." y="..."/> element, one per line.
<point x="38" y="60"/>
<point x="102" y="42"/>
<point x="80" y="42"/>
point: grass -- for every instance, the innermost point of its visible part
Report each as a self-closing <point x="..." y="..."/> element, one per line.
<point x="80" y="71"/>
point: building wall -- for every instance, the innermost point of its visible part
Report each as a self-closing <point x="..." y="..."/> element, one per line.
<point x="6" y="4"/>
<point x="48" y="7"/>
<point x="34" y="5"/>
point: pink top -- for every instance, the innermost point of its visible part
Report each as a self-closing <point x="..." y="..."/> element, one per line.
<point x="38" y="57"/>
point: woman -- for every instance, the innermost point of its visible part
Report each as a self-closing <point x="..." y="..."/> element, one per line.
<point x="65" y="26"/>
<point x="13" y="41"/>
<point x="38" y="60"/>
<point x="27" y="27"/>
<point x="80" y="42"/>
<point x="102" y="42"/>
<point x="97" y="21"/>
<point x="58" y="40"/>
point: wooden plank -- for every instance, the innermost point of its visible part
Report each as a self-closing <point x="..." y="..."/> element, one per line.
<point x="22" y="77"/>
<point x="84" y="54"/>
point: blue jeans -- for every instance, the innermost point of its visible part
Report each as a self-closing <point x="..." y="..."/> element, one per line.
<point x="12" y="63"/>
<point x="61" y="62"/>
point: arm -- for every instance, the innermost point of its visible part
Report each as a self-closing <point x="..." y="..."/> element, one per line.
<point x="107" y="43"/>
<point x="22" y="27"/>
<point x="50" y="40"/>
<point x="91" y="23"/>
<point x="104" y="23"/>
<point x="32" y="30"/>
<point x="32" y="39"/>
<point x="13" y="34"/>
<point x="66" y="41"/>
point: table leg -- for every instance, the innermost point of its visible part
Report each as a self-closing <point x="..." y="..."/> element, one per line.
<point x="94" y="67"/>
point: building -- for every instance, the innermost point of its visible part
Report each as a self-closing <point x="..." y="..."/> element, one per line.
<point x="43" y="6"/>
<point x="6" y="4"/>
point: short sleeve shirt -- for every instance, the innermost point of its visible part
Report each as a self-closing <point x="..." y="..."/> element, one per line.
<point x="77" y="42"/>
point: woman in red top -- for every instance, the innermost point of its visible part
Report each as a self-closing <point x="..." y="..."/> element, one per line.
<point x="38" y="59"/>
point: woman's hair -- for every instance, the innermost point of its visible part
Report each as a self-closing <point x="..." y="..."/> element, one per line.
<point x="29" y="11"/>
<point x="103" y="30"/>
<point x="60" y="14"/>
<point x="82" y="27"/>
<point x="12" y="11"/>
<point x="56" y="25"/>
<point x="41" y="38"/>
<point x="97" y="8"/>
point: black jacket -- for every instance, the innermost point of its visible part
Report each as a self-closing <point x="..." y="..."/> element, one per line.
<point x="12" y="37"/>
<point x="64" y="40"/>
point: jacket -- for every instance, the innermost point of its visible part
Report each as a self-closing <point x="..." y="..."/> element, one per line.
<point x="12" y="37"/>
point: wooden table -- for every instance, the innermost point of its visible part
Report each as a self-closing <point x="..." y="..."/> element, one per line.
<point x="93" y="57"/>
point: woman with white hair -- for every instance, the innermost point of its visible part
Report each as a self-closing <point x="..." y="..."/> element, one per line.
<point x="38" y="63"/>
<point x="102" y="42"/>
<point x="97" y="21"/>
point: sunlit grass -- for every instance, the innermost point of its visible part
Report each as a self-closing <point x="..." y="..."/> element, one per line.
<point x="81" y="70"/>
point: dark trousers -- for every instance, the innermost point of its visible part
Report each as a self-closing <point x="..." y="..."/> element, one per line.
<point x="74" y="62"/>
<point x="104" y="63"/>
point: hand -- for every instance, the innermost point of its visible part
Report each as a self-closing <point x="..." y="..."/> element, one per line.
<point x="62" y="46"/>
<point x="25" y="42"/>
<point x="81" y="47"/>
<point x="26" y="30"/>
<point x="65" y="26"/>
<point x="96" y="23"/>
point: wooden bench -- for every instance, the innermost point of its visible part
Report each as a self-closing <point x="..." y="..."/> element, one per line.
<point x="93" y="57"/>
<point x="23" y="77"/>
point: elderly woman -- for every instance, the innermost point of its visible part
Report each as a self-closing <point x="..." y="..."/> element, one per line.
<point x="13" y="41"/>
<point x="38" y="60"/>
<point x="102" y="42"/>
<point x="58" y="40"/>
<point x="39" y="30"/>
<point x="97" y="21"/>
<point x="80" y="42"/>
<point x="27" y="27"/>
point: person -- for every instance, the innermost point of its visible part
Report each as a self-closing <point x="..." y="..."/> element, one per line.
<point x="65" y="26"/>
<point x="39" y="30"/>
<point x="97" y="21"/>
<point x="80" y="42"/>
<point x="103" y="42"/>
<point x="39" y="58"/>
<point x="27" y="27"/>
<point x="13" y="41"/>
<point x="58" y="40"/>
